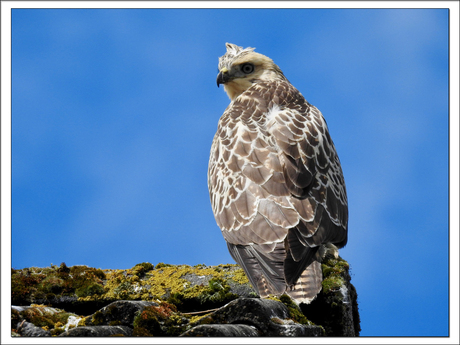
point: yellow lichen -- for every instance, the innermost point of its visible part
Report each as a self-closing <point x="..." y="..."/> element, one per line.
<point x="83" y="320"/>
<point x="149" y="283"/>
<point x="239" y="276"/>
<point x="196" y="318"/>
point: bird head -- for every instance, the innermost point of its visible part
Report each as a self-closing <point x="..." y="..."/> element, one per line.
<point x="240" y="68"/>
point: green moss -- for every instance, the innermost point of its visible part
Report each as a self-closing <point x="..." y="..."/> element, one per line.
<point x="294" y="311"/>
<point x="61" y="317"/>
<point x="97" y="318"/>
<point x="39" y="319"/>
<point x="239" y="276"/>
<point x="216" y="292"/>
<point x="56" y="331"/>
<point x="176" y="298"/>
<point x="41" y="316"/>
<point x="141" y="269"/>
<point x="219" y="291"/>
<point x="52" y="284"/>
<point x="49" y="283"/>
<point x="24" y="285"/>
<point x="167" y="282"/>
<point x="204" y="319"/>
<point x="161" y="265"/>
<point x="329" y="309"/>
<point x="84" y="321"/>
<point x="334" y="273"/>
<point x="332" y="283"/>
<point x="111" y="309"/>
<point x="176" y="284"/>
<point x="15" y="318"/>
<point x="90" y="290"/>
<point x="123" y="290"/>
<point x="84" y="279"/>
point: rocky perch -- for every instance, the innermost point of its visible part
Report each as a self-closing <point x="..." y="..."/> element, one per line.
<point x="168" y="300"/>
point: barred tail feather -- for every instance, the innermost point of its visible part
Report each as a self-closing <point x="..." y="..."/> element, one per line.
<point x="309" y="284"/>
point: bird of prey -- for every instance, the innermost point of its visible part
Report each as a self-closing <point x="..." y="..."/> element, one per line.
<point x="275" y="180"/>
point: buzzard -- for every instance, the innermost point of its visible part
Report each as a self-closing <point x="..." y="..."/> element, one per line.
<point x="275" y="181"/>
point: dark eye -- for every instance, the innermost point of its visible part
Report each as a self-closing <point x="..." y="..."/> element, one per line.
<point x="247" y="68"/>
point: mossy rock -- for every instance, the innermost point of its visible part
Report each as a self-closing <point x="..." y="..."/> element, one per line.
<point x="84" y="290"/>
<point x="269" y="317"/>
<point x="161" y="320"/>
<point x="189" y="288"/>
<point x="45" y="285"/>
<point x="177" y="291"/>
<point x="50" y="319"/>
<point x="141" y="269"/>
<point x="336" y="307"/>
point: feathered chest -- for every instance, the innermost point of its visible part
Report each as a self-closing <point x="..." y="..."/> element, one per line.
<point x="259" y="114"/>
<point x="273" y="145"/>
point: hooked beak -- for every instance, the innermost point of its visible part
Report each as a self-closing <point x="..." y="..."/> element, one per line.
<point x="222" y="77"/>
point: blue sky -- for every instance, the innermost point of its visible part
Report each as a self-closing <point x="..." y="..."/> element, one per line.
<point x="114" y="111"/>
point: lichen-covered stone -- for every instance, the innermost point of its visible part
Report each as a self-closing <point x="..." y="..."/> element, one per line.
<point x="98" y="331"/>
<point x="165" y="300"/>
<point x="222" y="331"/>
<point x="269" y="317"/>
<point x="27" y="329"/>
<point x="52" y="320"/>
<point x="336" y="306"/>
<point x="84" y="290"/>
<point x="160" y="320"/>
<point x="59" y="286"/>
<point x="118" y="313"/>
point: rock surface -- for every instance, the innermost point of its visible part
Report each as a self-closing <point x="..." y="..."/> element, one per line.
<point x="222" y="331"/>
<point x="27" y="329"/>
<point x="168" y="300"/>
<point x="267" y="317"/>
<point x="119" y="312"/>
<point x="99" y="331"/>
<point x="336" y="306"/>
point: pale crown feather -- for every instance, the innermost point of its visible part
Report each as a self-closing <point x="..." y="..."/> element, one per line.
<point x="236" y="81"/>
